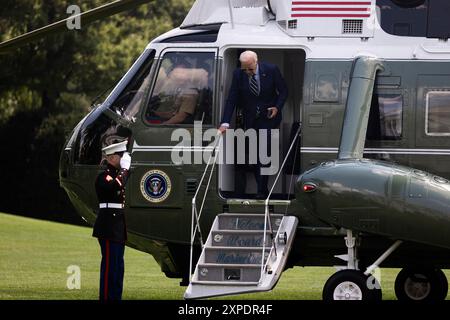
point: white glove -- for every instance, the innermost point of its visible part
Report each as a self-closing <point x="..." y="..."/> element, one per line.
<point x="125" y="161"/>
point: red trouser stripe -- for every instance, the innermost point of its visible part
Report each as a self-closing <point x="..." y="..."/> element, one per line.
<point x="106" y="271"/>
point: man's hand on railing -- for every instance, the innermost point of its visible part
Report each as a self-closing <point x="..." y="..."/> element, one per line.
<point x="222" y="128"/>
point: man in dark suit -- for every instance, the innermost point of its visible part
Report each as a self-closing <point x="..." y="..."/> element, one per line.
<point x="259" y="89"/>
<point x="110" y="227"/>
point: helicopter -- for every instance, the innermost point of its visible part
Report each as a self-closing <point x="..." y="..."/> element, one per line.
<point x="364" y="142"/>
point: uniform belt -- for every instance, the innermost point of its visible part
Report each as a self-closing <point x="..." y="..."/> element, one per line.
<point x="111" y="205"/>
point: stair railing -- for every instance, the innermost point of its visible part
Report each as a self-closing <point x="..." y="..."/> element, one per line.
<point x="196" y="215"/>
<point x="267" y="215"/>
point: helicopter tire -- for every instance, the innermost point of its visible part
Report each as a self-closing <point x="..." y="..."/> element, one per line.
<point x="350" y="285"/>
<point x="444" y="282"/>
<point x="421" y="284"/>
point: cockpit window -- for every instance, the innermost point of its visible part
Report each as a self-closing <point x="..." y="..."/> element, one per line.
<point x="96" y="132"/>
<point x="128" y="102"/>
<point x="183" y="89"/>
<point x="99" y="129"/>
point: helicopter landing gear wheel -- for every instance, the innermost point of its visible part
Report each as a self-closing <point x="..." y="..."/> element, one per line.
<point x="350" y="285"/>
<point x="421" y="284"/>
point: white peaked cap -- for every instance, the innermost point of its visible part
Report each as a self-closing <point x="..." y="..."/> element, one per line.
<point x="116" y="147"/>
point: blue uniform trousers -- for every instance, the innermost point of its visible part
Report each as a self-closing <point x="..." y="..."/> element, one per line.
<point x="111" y="270"/>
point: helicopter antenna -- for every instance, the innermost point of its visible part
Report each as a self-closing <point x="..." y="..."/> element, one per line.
<point x="87" y="17"/>
<point x="230" y="6"/>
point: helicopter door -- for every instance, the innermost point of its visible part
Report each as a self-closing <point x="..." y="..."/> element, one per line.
<point x="236" y="180"/>
<point x="168" y="137"/>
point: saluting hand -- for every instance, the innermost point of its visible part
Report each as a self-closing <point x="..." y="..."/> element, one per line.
<point x="125" y="161"/>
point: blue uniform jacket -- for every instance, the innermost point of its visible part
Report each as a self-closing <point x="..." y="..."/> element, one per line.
<point x="110" y="188"/>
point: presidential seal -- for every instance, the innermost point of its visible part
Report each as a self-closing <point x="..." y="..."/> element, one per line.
<point x="155" y="186"/>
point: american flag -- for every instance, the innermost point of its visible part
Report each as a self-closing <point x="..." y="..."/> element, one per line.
<point x="331" y="9"/>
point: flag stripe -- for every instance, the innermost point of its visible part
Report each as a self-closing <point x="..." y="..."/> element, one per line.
<point x="300" y="15"/>
<point x="329" y="9"/>
<point x="331" y="3"/>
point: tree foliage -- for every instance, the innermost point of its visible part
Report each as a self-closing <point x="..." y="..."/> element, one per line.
<point x="46" y="87"/>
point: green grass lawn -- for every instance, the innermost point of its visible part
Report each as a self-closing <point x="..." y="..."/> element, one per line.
<point x="35" y="255"/>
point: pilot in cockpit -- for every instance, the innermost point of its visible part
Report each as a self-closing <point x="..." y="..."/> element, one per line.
<point x="176" y="94"/>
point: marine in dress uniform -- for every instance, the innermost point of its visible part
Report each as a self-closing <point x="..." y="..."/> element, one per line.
<point x="110" y="227"/>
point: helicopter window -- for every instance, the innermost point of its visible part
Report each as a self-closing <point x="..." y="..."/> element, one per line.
<point x="404" y="20"/>
<point x="183" y="89"/>
<point x="130" y="99"/>
<point x="415" y="18"/>
<point x="327" y="88"/>
<point x="437" y="113"/>
<point x="386" y="117"/>
<point x="97" y="131"/>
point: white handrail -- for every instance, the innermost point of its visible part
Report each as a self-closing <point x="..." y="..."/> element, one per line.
<point x="267" y="213"/>
<point x="196" y="215"/>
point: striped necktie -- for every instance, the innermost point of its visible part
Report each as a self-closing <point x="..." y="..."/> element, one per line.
<point x="254" y="86"/>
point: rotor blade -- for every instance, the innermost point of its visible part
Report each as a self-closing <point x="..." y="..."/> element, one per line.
<point x="86" y="17"/>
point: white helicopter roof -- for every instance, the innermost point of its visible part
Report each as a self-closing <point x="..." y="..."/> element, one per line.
<point x="224" y="11"/>
<point x="325" y="29"/>
<point x="352" y="18"/>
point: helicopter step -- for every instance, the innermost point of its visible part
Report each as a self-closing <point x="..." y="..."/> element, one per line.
<point x="239" y="256"/>
<point x="233" y="255"/>
<point x="239" y="238"/>
<point x="244" y="273"/>
<point x="246" y="221"/>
